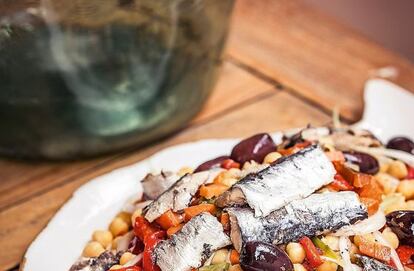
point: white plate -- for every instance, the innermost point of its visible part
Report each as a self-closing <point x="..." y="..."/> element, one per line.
<point x="94" y="204"/>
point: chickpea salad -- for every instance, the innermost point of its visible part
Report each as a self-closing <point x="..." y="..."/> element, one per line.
<point x="325" y="199"/>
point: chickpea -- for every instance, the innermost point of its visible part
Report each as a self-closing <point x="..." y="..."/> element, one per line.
<point x="116" y="267"/>
<point x="410" y="205"/>
<point x="103" y="237"/>
<point x="235" y="268"/>
<point x="295" y="252"/>
<point x="388" y="182"/>
<point x="406" y="188"/>
<point x="93" y="249"/>
<point x="229" y="181"/>
<point x="126" y="257"/>
<point x="391" y="238"/>
<point x="384" y="167"/>
<point x="398" y="169"/>
<point x="125" y="217"/>
<point x="332" y="242"/>
<point x="220" y="256"/>
<point x="118" y="227"/>
<point x="327" y="266"/>
<point x="185" y="170"/>
<point x="233" y="173"/>
<point x="271" y="157"/>
<point x="299" y="267"/>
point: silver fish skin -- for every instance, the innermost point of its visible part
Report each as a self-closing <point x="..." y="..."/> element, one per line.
<point x="314" y="215"/>
<point x="177" y="197"/>
<point x="192" y="245"/>
<point x="156" y="184"/>
<point x="370" y="264"/>
<point x="295" y="177"/>
<point x="102" y="263"/>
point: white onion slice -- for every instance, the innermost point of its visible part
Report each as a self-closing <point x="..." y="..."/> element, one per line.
<point x="329" y="259"/>
<point x="122" y="243"/>
<point x="134" y="260"/>
<point x="344" y="246"/>
<point x="371" y="224"/>
<point x="394" y="255"/>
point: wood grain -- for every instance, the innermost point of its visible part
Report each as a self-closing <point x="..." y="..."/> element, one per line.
<point x="275" y="112"/>
<point x="311" y="53"/>
<point x="23" y="180"/>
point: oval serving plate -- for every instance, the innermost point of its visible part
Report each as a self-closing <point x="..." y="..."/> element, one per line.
<point x="94" y="204"/>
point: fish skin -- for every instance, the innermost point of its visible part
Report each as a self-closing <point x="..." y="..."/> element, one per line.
<point x="177" y="197"/>
<point x="315" y="215"/>
<point x="102" y="263"/>
<point x="291" y="178"/>
<point x="156" y="184"/>
<point x="192" y="245"/>
<point x="370" y="264"/>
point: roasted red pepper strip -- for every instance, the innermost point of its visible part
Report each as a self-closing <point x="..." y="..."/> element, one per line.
<point x="229" y="163"/>
<point x="405" y="253"/>
<point x="150" y="242"/>
<point x="340" y="184"/>
<point x="143" y="228"/>
<point x="312" y="253"/>
<point x="130" y="268"/>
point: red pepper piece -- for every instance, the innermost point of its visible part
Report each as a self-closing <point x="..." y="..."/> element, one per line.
<point x="229" y="163"/>
<point x="130" y="268"/>
<point x="340" y="184"/>
<point x="143" y="228"/>
<point x="410" y="174"/>
<point x="405" y="253"/>
<point x="150" y="242"/>
<point x="312" y="254"/>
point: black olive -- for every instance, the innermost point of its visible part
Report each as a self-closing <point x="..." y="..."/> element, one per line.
<point x="367" y="163"/>
<point x="253" y="148"/>
<point x="402" y="224"/>
<point x="402" y="144"/>
<point x="260" y="256"/>
<point x="213" y="163"/>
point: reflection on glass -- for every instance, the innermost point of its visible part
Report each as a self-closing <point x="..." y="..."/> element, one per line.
<point x="83" y="77"/>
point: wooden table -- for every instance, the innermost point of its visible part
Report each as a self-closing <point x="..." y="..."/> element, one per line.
<point x="286" y="66"/>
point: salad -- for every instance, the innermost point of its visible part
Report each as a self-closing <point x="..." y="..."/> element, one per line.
<point x="325" y="199"/>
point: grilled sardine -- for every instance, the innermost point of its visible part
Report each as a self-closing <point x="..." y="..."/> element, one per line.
<point x="291" y="178"/>
<point x="177" y="197"/>
<point x="315" y="215"/>
<point x="192" y="245"/>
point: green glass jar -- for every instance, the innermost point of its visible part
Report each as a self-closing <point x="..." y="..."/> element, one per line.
<point x="84" y="77"/>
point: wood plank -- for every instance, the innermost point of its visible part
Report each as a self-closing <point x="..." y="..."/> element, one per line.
<point x="22" y="180"/>
<point x="235" y="87"/>
<point x="20" y="223"/>
<point x="309" y="52"/>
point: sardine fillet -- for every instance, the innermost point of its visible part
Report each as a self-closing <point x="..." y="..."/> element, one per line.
<point x="370" y="264"/>
<point x="315" y="215"/>
<point x="192" y="245"/>
<point x="155" y="185"/>
<point x="177" y="197"/>
<point x="295" y="177"/>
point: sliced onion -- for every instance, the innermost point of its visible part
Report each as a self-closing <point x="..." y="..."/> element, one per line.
<point x="394" y="255"/>
<point x="371" y="224"/>
<point x="134" y="260"/>
<point x="344" y="246"/>
<point x="396" y="154"/>
<point x="329" y="259"/>
<point x="122" y="242"/>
